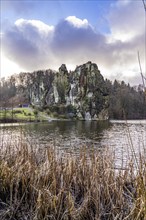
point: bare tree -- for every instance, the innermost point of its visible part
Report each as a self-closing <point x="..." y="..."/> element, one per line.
<point x="144" y="4"/>
<point x="142" y="75"/>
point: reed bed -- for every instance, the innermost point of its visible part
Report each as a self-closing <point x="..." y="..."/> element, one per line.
<point x="40" y="184"/>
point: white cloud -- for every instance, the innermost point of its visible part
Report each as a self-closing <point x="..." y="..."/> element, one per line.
<point x="8" y="66"/>
<point x="35" y="45"/>
<point x="127" y="20"/>
<point x="27" y="43"/>
<point x="77" y="22"/>
<point x="39" y="25"/>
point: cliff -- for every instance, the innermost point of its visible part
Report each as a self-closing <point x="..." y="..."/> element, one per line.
<point x="80" y="93"/>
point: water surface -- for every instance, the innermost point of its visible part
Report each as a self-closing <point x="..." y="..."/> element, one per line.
<point x="125" y="138"/>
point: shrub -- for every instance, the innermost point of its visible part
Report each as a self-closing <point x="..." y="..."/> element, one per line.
<point x="62" y="116"/>
<point x="17" y="111"/>
<point x="48" y="111"/>
<point x="55" y="114"/>
<point x="71" y="109"/>
<point x="35" y="112"/>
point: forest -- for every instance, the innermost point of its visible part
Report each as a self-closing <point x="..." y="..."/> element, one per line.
<point x="126" y="102"/>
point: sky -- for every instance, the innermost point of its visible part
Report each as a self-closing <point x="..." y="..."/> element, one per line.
<point x="43" y="34"/>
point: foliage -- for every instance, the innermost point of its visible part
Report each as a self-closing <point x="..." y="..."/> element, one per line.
<point x="70" y="109"/>
<point x="60" y="109"/>
<point x="48" y="111"/>
<point x="35" y="112"/>
<point x="17" y="114"/>
<point x="17" y="111"/>
<point x="126" y="102"/>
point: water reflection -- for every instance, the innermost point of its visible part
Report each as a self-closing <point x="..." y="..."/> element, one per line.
<point x="66" y="134"/>
<point x="125" y="138"/>
<point x="68" y="127"/>
<point x="128" y="140"/>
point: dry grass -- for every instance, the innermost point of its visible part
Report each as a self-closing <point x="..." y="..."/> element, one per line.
<point x="38" y="185"/>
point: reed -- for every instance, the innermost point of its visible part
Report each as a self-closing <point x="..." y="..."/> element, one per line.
<point x="38" y="184"/>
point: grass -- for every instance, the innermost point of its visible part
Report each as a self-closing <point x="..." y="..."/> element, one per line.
<point x="19" y="114"/>
<point x="37" y="184"/>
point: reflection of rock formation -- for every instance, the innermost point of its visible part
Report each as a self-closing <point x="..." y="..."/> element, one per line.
<point x="83" y="89"/>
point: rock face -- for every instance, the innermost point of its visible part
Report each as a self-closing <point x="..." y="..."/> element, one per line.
<point x="88" y="92"/>
<point x="80" y="93"/>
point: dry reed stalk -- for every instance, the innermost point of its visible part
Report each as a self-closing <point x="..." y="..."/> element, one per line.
<point x="69" y="188"/>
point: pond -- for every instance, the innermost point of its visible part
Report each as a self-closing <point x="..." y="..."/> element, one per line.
<point x="125" y="138"/>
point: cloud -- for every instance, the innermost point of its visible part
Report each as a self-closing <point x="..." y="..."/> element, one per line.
<point x="27" y="43"/>
<point x="18" y="7"/>
<point x="127" y="37"/>
<point x="35" y="45"/>
<point x="41" y="27"/>
<point x="76" y="22"/>
<point x="76" y="40"/>
<point x="126" y="19"/>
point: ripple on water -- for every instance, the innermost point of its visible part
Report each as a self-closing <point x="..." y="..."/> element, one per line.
<point x="125" y="138"/>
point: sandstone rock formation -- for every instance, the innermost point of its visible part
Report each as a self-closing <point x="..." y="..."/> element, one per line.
<point x="80" y="93"/>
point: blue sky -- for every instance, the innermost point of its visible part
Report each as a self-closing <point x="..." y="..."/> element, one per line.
<point x="45" y="34"/>
<point x="52" y="11"/>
